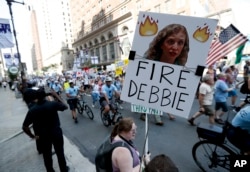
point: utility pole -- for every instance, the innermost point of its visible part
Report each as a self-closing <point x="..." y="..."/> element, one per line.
<point x="9" y="2"/>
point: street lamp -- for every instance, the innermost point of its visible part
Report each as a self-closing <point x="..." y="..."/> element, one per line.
<point x="9" y="2"/>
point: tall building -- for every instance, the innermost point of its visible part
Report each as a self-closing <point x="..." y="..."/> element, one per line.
<point x="105" y="28"/>
<point x="51" y="25"/>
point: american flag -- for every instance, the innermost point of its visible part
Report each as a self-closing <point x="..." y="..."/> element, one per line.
<point x="229" y="39"/>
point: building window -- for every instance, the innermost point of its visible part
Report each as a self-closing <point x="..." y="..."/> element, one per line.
<point x="104" y="53"/>
<point x="112" y="50"/>
<point x="97" y="53"/>
<point x="92" y="53"/>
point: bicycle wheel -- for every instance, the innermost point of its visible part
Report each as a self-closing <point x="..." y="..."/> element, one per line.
<point x="105" y="119"/>
<point x="118" y="117"/>
<point x="89" y="112"/>
<point x="79" y="107"/>
<point x="210" y="156"/>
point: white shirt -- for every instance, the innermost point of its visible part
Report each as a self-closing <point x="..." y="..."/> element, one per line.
<point x="208" y="91"/>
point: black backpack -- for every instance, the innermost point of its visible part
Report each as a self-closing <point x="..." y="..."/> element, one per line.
<point x="244" y="88"/>
<point x="103" y="160"/>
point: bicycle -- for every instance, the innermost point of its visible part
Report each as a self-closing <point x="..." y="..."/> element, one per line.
<point x="108" y="119"/>
<point x="82" y="106"/>
<point x="213" y="151"/>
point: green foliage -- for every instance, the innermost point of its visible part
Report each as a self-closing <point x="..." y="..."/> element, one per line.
<point x="47" y="68"/>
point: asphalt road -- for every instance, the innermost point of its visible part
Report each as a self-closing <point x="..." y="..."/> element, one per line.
<point x="175" y="139"/>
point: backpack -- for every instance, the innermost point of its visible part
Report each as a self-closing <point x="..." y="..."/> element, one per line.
<point x="244" y="88"/>
<point x="103" y="156"/>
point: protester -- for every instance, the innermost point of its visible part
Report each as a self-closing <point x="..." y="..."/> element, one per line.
<point x="44" y="117"/>
<point x="206" y="93"/>
<point x="122" y="160"/>
<point x="118" y="85"/>
<point x="57" y="87"/>
<point x="106" y="96"/>
<point x="95" y="94"/>
<point x="231" y="83"/>
<point x="161" y="163"/>
<point x="220" y="96"/>
<point x="239" y="133"/>
<point x="72" y="93"/>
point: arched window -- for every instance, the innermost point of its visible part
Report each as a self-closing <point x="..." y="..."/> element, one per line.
<point x="110" y="36"/>
<point x="96" y="41"/>
<point x="102" y="39"/>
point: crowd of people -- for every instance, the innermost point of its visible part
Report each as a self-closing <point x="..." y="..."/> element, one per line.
<point x="214" y="91"/>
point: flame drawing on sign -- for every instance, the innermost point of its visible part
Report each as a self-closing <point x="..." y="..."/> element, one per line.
<point x="149" y="27"/>
<point x="202" y="34"/>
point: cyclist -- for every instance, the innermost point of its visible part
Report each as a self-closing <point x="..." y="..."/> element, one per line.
<point x="239" y="132"/>
<point x="72" y="93"/>
<point x="106" y="95"/>
<point x="57" y="87"/>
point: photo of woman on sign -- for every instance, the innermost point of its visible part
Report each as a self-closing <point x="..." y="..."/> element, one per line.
<point x="171" y="45"/>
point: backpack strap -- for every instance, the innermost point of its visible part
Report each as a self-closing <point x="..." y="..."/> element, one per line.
<point x="121" y="144"/>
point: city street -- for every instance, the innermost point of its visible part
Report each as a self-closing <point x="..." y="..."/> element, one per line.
<point x="174" y="139"/>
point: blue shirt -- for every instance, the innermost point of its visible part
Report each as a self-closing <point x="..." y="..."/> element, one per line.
<point x="108" y="90"/>
<point x="242" y="119"/>
<point x="118" y="85"/>
<point x="72" y="91"/>
<point x="56" y="87"/>
<point x="220" y="94"/>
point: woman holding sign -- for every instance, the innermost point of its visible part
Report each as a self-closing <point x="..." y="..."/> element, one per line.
<point x="171" y="45"/>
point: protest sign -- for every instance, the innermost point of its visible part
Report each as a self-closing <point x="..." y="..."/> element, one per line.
<point x="168" y="49"/>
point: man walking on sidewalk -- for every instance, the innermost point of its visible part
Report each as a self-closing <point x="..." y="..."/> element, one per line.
<point x="44" y="117"/>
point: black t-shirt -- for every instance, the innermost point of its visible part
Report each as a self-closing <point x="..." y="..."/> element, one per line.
<point x="44" y="117"/>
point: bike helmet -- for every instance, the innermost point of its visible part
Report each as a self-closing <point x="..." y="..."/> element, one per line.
<point x="108" y="79"/>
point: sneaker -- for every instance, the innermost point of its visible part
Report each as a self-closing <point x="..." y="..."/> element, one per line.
<point x="93" y="105"/>
<point x="121" y="107"/>
<point x="159" y="123"/>
<point x="236" y="109"/>
<point x="76" y="121"/>
<point x="233" y="106"/>
<point x="191" y="121"/>
<point x="219" y="121"/>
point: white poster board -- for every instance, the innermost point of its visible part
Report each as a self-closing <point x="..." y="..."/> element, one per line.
<point x="153" y="81"/>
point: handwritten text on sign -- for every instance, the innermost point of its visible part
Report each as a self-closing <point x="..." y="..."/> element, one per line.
<point x="143" y="109"/>
<point x="166" y="87"/>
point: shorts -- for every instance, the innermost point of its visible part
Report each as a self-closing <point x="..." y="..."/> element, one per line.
<point x="72" y="103"/>
<point x="208" y="110"/>
<point x="86" y="87"/>
<point x="221" y="105"/>
<point x="232" y="93"/>
<point x="104" y="103"/>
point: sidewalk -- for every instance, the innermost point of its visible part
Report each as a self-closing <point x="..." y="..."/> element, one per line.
<point x="18" y="151"/>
